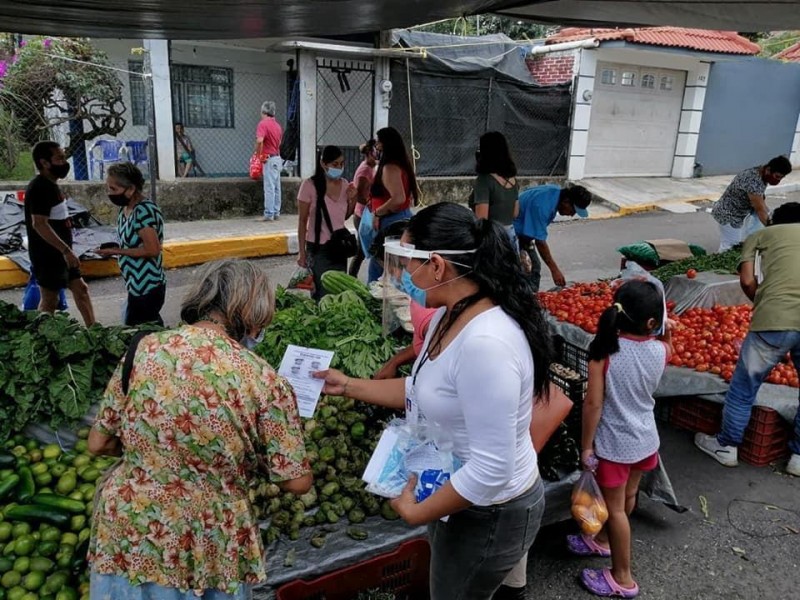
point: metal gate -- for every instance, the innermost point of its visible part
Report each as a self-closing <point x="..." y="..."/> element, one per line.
<point x="345" y="106"/>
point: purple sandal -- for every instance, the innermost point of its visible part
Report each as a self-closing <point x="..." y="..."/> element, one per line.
<point x="601" y="583"/>
<point x="584" y="545"/>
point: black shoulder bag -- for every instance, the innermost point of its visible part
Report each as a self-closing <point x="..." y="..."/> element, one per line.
<point x="342" y="244"/>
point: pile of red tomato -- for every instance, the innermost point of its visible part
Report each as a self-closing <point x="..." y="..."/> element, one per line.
<point x="709" y="339"/>
<point x="581" y="304"/>
<point x="705" y="339"/>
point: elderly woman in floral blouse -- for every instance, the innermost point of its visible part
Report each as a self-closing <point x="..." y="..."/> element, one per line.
<point x="202" y="417"/>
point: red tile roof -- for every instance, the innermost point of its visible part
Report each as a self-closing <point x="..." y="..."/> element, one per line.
<point x="728" y="42"/>
<point x="792" y="53"/>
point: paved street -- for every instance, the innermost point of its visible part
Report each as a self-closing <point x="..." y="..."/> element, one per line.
<point x="747" y="545"/>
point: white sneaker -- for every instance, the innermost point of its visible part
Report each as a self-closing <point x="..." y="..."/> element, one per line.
<point x="724" y="455"/>
<point x="793" y="467"/>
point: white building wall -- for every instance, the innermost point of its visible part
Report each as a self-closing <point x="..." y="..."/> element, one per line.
<point x="794" y="157"/>
<point x="691" y="112"/>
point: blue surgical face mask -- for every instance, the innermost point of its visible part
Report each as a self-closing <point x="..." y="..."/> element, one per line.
<point x="334" y="173"/>
<point x="417" y="294"/>
<point x="251" y="342"/>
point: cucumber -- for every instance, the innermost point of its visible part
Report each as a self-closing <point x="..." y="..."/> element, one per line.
<point x="39" y="514"/>
<point x="27" y="487"/>
<point x="53" y="500"/>
<point x="8" y="484"/>
<point x="336" y="282"/>
<point x="7" y="461"/>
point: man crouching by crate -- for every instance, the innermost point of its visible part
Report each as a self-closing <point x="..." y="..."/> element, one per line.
<point x="769" y="273"/>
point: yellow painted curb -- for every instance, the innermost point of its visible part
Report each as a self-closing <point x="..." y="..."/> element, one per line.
<point x="176" y="255"/>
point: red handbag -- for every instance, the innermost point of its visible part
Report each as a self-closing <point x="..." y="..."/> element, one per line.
<point x="256" y="167"/>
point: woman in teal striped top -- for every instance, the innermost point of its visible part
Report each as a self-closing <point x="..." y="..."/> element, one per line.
<point x="140" y="228"/>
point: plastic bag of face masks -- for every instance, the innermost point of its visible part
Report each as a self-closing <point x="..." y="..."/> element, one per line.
<point x="404" y="450"/>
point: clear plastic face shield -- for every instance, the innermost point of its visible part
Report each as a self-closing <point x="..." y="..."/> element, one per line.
<point x="397" y="284"/>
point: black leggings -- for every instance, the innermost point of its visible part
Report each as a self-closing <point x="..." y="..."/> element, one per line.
<point x="146" y="308"/>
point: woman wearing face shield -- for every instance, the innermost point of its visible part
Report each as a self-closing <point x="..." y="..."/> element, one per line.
<point x="485" y="356"/>
<point x="140" y="228"/>
<point x="313" y="233"/>
<point x="202" y="417"/>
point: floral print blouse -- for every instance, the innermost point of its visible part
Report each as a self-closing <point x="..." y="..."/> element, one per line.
<point x="203" y="415"/>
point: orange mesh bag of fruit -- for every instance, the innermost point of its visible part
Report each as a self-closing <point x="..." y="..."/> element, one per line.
<point x="588" y="507"/>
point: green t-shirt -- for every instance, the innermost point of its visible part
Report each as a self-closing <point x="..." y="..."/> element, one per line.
<point x="777" y="302"/>
<point x="501" y="200"/>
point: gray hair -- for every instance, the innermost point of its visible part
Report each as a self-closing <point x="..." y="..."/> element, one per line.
<point x="127" y="175"/>
<point x="238" y="290"/>
<point x="268" y="108"/>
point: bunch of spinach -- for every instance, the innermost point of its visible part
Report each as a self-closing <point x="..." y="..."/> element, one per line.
<point x="52" y="369"/>
<point x="343" y="323"/>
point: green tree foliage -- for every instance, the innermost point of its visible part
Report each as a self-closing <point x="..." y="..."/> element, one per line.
<point x="488" y="24"/>
<point x="51" y="81"/>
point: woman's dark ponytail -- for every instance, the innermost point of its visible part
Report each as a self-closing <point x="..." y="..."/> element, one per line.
<point x="495" y="267"/>
<point x="606" y="341"/>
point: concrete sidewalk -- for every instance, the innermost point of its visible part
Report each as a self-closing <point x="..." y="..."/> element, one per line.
<point x="628" y="195"/>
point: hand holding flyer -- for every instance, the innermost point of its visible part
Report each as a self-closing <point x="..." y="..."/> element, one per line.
<point x="298" y="367"/>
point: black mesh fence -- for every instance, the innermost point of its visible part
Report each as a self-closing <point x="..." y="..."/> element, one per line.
<point x="449" y="113"/>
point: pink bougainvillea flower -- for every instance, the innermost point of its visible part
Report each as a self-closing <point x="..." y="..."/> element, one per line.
<point x="48" y="42"/>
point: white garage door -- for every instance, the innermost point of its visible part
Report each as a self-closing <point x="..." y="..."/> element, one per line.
<point x="634" y="124"/>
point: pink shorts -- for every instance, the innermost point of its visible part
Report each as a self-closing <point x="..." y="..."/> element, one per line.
<point x="612" y="474"/>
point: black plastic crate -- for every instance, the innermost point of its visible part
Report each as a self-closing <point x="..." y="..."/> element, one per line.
<point x="572" y="356"/>
<point x="574" y="388"/>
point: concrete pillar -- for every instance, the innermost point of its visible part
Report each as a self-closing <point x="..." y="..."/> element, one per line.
<point x="162" y="99"/>
<point x="582" y="113"/>
<point x="381" y="100"/>
<point x="694" y="97"/>
<point x="794" y="157"/>
<point x="307" y="71"/>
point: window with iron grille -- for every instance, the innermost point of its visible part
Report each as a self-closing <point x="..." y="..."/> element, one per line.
<point x="202" y="96"/>
<point x="138" y="101"/>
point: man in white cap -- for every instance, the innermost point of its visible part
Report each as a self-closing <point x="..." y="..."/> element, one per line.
<point x="268" y="146"/>
<point x="538" y="207"/>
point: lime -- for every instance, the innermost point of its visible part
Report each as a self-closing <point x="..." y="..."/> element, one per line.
<point x="16" y="593"/>
<point x="51" y="451"/>
<point x="6" y="564"/>
<point x="22" y="565"/>
<point x="20" y="529"/>
<point x="5" y="531"/>
<point x="69" y="538"/>
<point x="10" y="579"/>
<point x="40" y="563"/>
<point x="24" y="545"/>
<point x="33" y="581"/>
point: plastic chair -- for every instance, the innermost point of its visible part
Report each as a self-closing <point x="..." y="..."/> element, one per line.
<point x="109" y="154"/>
<point x="137" y="152"/>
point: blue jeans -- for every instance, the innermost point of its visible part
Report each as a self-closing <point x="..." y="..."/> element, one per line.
<point x="272" y="186"/>
<point x="473" y="552"/>
<point x="761" y="351"/>
<point x="117" y="587"/>
<point x="376" y="268"/>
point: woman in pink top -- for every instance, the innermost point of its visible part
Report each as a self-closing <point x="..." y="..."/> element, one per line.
<point x="363" y="178"/>
<point x="420" y="319"/>
<point x="313" y="232"/>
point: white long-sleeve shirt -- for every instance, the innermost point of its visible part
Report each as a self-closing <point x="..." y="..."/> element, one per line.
<point x="480" y="391"/>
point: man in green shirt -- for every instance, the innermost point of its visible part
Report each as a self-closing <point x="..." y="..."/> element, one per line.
<point x="770" y="276"/>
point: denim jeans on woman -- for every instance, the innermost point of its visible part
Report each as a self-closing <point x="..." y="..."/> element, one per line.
<point x="472" y="552"/>
<point x="375" y="269"/>
<point x="760" y="352"/>
<point x="117" y="587"/>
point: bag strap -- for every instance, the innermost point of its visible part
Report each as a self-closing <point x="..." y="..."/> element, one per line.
<point x="322" y="210"/>
<point x="127" y="365"/>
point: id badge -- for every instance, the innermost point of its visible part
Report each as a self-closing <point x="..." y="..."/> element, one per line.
<point x="412" y="408"/>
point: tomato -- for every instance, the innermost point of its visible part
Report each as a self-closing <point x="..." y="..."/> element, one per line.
<point x="691" y="273"/>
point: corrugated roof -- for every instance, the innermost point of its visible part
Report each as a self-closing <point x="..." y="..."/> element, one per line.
<point x="727" y="42"/>
<point x="792" y="53"/>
